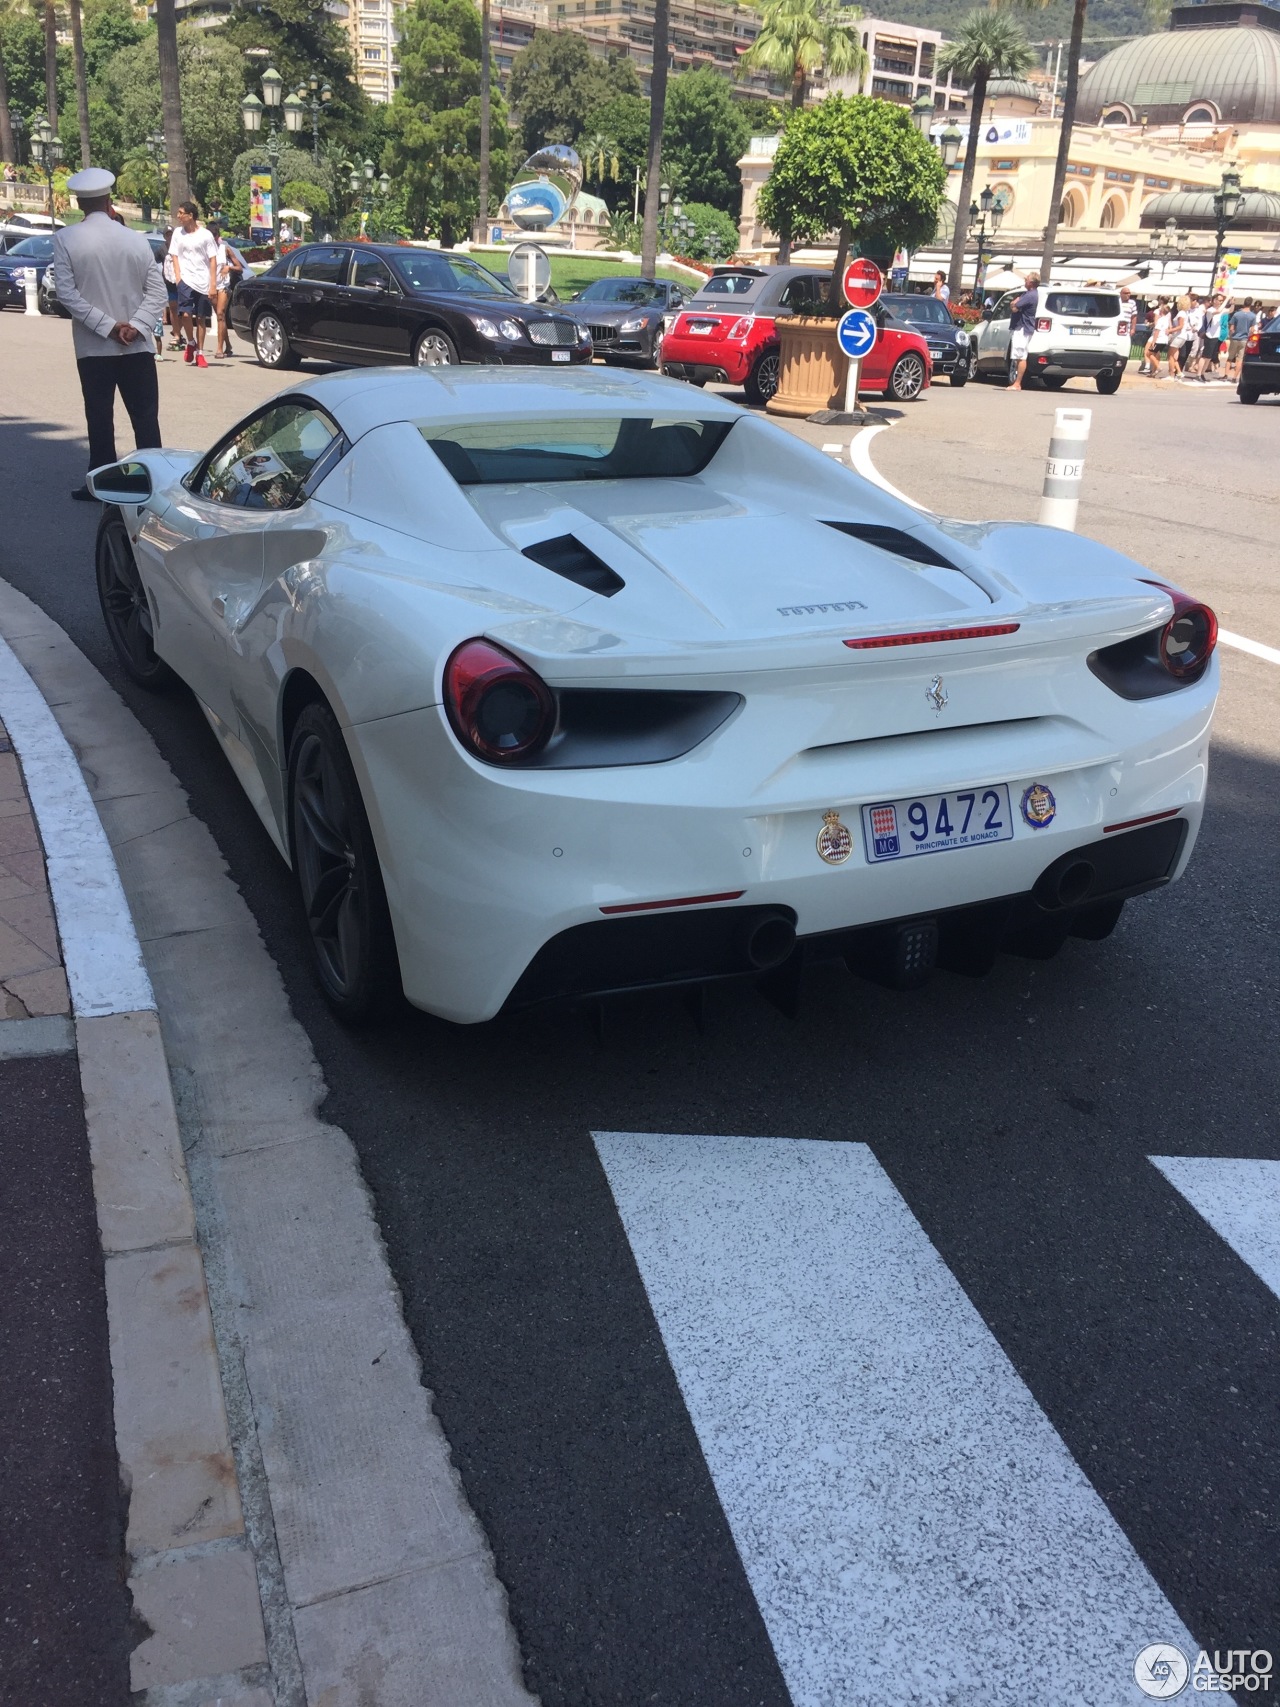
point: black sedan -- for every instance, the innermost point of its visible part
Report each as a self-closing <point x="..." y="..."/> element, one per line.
<point x="949" y="345"/>
<point x="1260" y="369"/>
<point x="625" y="315"/>
<point x="366" y="303"/>
<point x="15" y="263"/>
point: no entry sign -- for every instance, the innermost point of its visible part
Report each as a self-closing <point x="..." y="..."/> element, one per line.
<point x="863" y="282"/>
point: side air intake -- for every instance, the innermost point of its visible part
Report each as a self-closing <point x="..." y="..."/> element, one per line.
<point x="895" y="540"/>
<point x="568" y="556"/>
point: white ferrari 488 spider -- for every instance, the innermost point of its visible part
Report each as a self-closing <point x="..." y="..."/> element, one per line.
<point x="550" y="685"/>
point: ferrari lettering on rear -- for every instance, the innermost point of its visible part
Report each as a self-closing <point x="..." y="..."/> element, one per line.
<point x="820" y="610"/>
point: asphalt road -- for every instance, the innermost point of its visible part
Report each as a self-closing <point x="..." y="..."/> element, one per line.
<point x="1014" y="1115"/>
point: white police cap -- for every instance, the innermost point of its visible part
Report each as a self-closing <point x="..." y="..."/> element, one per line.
<point x="93" y="181"/>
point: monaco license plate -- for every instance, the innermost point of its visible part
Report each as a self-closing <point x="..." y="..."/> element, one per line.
<point x="560" y="355"/>
<point x="935" y="823"/>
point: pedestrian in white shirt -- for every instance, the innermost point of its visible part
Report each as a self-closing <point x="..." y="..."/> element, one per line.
<point x="195" y="255"/>
<point x="108" y="282"/>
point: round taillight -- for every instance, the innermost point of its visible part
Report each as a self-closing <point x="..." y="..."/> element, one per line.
<point x="1188" y="638"/>
<point x="498" y="707"/>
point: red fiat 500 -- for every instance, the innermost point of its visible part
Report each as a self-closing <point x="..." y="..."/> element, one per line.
<point x="726" y="333"/>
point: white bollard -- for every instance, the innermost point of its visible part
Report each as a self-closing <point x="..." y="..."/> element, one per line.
<point x="33" y="292"/>
<point x="1064" y="469"/>
<point x="851" y="386"/>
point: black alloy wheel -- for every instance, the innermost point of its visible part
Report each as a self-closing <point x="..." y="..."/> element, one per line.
<point x="125" y="610"/>
<point x="336" y="866"/>
<point x="271" y="342"/>
<point x="906" y="382"/>
<point x="762" y="382"/>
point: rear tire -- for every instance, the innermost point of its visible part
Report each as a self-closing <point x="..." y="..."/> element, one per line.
<point x="906" y="382"/>
<point x="339" y="878"/>
<point x="1053" y="381"/>
<point x="125" y="610"/>
<point x="960" y="373"/>
<point x="1108" y="383"/>
<point x="271" y="342"/>
<point x="1248" y="393"/>
<point x="762" y="382"/>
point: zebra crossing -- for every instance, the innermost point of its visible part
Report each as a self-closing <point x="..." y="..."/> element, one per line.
<point x="912" y="1526"/>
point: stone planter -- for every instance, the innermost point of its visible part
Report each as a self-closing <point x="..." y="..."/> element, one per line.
<point x="811" y="368"/>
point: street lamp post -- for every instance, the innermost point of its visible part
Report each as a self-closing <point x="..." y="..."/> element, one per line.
<point x="363" y="184"/>
<point x="987" y="207"/>
<point x="1226" y="205"/>
<point x="320" y="95"/>
<point x="46" y="151"/>
<point x="923" y="113"/>
<point x="1169" y="244"/>
<point x="252" y="111"/>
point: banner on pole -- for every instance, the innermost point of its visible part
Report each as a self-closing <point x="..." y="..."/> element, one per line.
<point x="261" y="224"/>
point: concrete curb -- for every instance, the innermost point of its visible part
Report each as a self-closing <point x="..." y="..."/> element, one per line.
<point x="374" y="1578"/>
<point x="190" y="1571"/>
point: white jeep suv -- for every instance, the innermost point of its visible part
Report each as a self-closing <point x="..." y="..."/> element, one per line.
<point x="1078" y="334"/>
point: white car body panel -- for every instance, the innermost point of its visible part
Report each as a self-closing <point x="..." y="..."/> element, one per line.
<point x="732" y="581"/>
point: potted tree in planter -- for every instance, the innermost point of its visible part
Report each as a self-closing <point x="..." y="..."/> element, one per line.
<point x="857" y="166"/>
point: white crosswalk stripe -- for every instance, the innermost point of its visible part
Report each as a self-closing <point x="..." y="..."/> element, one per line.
<point x="913" y="1528"/>
<point x="1241" y="1202"/>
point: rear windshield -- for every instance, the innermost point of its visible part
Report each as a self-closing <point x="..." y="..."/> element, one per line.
<point x="1083" y="305"/>
<point x="499" y="453"/>
<point x="730" y="284"/>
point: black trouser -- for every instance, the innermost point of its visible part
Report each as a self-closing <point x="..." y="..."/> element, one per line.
<point x="135" y="379"/>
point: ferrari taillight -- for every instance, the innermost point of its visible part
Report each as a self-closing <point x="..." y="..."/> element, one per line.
<point x="1188" y="638"/>
<point x="498" y="707"/>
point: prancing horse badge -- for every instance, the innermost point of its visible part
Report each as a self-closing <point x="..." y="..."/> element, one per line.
<point x="936" y="694"/>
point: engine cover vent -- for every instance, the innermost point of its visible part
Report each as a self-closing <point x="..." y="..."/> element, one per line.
<point x="567" y="556"/>
<point x="895" y="540"/>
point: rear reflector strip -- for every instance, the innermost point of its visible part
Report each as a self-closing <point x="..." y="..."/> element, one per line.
<point x="1132" y="823"/>
<point x="685" y="901"/>
<point x="928" y="636"/>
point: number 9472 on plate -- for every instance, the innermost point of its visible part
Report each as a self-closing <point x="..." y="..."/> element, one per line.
<point x="936" y="823"/>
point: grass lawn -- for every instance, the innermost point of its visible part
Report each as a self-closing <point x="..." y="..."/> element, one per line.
<point x="571" y="273"/>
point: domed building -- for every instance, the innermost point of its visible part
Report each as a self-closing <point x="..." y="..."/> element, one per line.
<point x="1218" y="63"/>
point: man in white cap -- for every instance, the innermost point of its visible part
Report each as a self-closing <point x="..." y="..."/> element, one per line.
<point x="111" y="285"/>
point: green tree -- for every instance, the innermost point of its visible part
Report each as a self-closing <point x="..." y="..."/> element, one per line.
<point x="798" y="38"/>
<point x="433" y="122"/>
<point x="989" y="45"/>
<point x="109" y="25"/>
<point x="624" y="119"/>
<point x="175" y="141"/>
<point x="309" y="198"/>
<point x="599" y="155"/>
<point x="301" y="36"/>
<point x="857" y="166"/>
<point x="704" y="135"/>
<point x="210" y="83"/>
<point x="556" y="82"/>
<point x="714" y="236"/>
<point x="295" y="166"/>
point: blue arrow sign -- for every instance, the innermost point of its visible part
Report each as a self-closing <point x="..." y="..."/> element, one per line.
<point x="857" y="333"/>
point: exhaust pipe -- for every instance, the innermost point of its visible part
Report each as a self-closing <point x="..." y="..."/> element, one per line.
<point x="768" y="940"/>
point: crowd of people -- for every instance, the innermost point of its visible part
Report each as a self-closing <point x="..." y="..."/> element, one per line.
<point x="201" y="271"/>
<point x="1195" y="339"/>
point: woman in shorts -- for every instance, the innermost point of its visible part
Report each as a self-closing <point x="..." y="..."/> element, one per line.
<point x="229" y="265"/>
<point x="1179" y="336"/>
<point x="1159" y="341"/>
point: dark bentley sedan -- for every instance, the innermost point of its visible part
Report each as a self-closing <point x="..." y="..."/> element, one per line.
<point x="625" y="315"/>
<point x="370" y="303"/>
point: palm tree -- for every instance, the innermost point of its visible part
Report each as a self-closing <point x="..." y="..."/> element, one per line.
<point x="798" y="38"/>
<point x="51" y="63"/>
<point x="82" y="81"/>
<point x="8" y="9"/>
<point x="1069" y="93"/>
<point x="988" y="45"/>
<point x="599" y="155"/>
<point x="484" y="122"/>
<point x="657" y="115"/>
<point x="171" y="103"/>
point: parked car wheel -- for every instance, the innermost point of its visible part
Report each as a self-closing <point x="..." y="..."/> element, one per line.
<point x="762" y="382"/>
<point x="960" y="373"/>
<point x="1248" y="393"/>
<point x="337" y="871"/>
<point x="271" y="342"/>
<point x="125" y="610"/>
<point x="1108" y="383"/>
<point x="1053" y="381"/>
<point x="906" y="382"/>
<point x="435" y="349"/>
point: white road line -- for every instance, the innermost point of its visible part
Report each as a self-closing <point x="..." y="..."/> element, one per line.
<point x="1254" y="648"/>
<point x="913" y="1528"/>
<point x="100" y="946"/>
<point x="1241" y="1202"/>
<point x="860" y="457"/>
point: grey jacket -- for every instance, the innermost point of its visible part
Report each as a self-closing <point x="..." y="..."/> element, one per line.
<point x="105" y="274"/>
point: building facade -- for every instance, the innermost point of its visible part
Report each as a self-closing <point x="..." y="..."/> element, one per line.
<point x="901" y="66"/>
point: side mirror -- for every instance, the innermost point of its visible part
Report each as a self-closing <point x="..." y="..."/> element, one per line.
<point x="987" y="313"/>
<point x="121" y="483"/>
